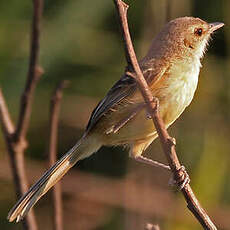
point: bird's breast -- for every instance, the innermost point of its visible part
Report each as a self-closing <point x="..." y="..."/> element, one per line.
<point x="177" y="90"/>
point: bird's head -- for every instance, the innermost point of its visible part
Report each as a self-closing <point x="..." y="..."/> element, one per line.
<point x="184" y="37"/>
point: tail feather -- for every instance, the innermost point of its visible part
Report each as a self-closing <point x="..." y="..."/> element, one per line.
<point x="84" y="148"/>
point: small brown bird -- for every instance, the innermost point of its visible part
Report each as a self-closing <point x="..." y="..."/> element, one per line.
<point x="171" y="68"/>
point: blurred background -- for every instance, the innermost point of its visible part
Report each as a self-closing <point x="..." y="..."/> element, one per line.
<point x="80" y="42"/>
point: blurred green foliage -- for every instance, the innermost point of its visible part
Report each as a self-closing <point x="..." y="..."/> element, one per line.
<point x="80" y="42"/>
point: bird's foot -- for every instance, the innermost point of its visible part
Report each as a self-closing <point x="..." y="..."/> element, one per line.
<point x="182" y="180"/>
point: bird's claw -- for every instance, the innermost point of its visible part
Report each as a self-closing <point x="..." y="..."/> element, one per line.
<point x="182" y="180"/>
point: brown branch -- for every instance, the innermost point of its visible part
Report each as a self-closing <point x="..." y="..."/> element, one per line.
<point x="34" y="73"/>
<point x="15" y="138"/>
<point x="8" y="131"/>
<point x="5" y="119"/>
<point x="167" y="142"/>
<point x="53" y="133"/>
<point x="16" y="160"/>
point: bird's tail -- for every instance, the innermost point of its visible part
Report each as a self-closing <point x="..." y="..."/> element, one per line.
<point x="84" y="148"/>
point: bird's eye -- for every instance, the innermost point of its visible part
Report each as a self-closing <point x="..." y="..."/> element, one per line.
<point x="198" y="31"/>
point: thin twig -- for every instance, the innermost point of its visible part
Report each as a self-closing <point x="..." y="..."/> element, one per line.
<point x="16" y="138"/>
<point x="52" y="150"/>
<point x="168" y="144"/>
<point x="34" y="73"/>
<point x="16" y="160"/>
<point x="6" y="122"/>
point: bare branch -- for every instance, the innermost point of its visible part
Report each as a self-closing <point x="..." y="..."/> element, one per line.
<point x="5" y="119"/>
<point x="152" y="105"/>
<point x="16" y="159"/>
<point x="34" y="73"/>
<point x="15" y="139"/>
<point x="53" y="132"/>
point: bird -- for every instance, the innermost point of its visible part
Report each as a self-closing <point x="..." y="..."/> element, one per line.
<point x="171" y="68"/>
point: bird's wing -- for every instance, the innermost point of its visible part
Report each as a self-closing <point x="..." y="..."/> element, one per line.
<point x="122" y="89"/>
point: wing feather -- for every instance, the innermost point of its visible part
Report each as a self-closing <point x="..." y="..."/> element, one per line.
<point x="122" y="89"/>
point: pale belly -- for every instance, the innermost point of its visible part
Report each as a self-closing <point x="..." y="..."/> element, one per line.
<point x="141" y="126"/>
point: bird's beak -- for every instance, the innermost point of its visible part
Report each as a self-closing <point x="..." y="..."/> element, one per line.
<point x="215" y="26"/>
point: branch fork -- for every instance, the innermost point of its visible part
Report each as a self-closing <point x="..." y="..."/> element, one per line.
<point x="15" y="135"/>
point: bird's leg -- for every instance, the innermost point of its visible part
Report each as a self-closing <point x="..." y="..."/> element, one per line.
<point x="151" y="162"/>
<point x="183" y="180"/>
<point x="137" y="149"/>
